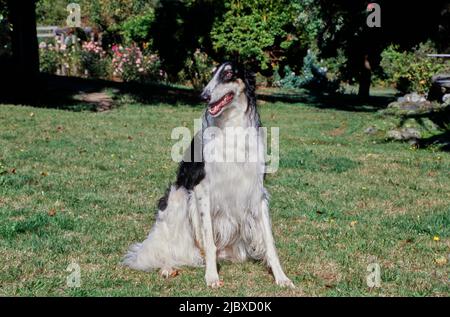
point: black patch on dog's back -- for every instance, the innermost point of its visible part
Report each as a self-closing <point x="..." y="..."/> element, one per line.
<point x="162" y="202"/>
<point x="190" y="174"/>
<point x="192" y="169"/>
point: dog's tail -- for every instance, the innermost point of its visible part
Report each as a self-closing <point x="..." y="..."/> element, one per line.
<point x="171" y="242"/>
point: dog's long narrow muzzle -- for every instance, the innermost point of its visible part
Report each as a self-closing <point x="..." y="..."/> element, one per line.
<point x="205" y="96"/>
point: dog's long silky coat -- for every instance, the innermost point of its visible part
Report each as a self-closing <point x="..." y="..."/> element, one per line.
<point x="215" y="210"/>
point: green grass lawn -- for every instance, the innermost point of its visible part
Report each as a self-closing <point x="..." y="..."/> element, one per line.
<point x="82" y="186"/>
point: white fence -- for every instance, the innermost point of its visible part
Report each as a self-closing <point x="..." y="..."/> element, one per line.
<point x="56" y="31"/>
<point x="46" y="31"/>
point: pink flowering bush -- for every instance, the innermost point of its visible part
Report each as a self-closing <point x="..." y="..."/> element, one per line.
<point x="93" y="47"/>
<point x="130" y="64"/>
<point x="94" y="60"/>
<point x="89" y="59"/>
<point x="49" y="58"/>
<point x="74" y="60"/>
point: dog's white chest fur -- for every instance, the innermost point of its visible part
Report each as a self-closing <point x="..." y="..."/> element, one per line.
<point x="235" y="180"/>
<point x="232" y="187"/>
<point x="236" y="188"/>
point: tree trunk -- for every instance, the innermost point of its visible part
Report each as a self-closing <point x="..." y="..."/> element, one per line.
<point x="24" y="43"/>
<point x="365" y="78"/>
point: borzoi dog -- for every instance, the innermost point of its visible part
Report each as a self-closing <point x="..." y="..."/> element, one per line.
<point x="216" y="209"/>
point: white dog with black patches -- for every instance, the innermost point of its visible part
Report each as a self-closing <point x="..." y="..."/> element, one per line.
<point x="217" y="209"/>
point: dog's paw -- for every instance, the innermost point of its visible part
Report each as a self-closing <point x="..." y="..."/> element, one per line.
<point x="168" y="272"/>
<point x="285" y="282"/>
<point x="213" y="281"/>
<point x="216" y="284"/>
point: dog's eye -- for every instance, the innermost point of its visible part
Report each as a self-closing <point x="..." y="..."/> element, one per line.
<point x="228" y="74"/>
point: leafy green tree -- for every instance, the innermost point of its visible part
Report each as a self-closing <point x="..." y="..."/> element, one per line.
<point x="260" y="31"/>
<point x="5" y="31"/>
<point x="109" y="14"/>
<point x="137" y="28"/>
<point x="402" y="22"/>
<point x="251" y="30"/>
<point x="3" y="8"/>
<point x="181" y="28"/>
<point x="104" y="14"/>
<point x="51" y="12"/>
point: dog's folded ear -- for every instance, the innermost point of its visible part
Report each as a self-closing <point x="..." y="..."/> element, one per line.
<point x="250" y="78"/>
<point x="246" y="70"/>
<point x="248" y="75"/>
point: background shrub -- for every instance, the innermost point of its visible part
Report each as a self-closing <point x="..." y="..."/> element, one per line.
<point x="131" y="64"/>
<point x="137" y="28"/>
<point x="412" y="71"/>
<point x="49" y="59"/>
<point x="94" y="61"/>
<point x="313" y="75"/>
<point x="197" y="70"/>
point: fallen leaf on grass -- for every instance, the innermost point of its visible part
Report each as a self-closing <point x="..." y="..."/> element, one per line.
<point x="52" y="212"/>
<point x="441" y="261"/>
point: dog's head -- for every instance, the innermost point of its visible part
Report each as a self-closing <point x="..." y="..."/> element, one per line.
<point x="230" y="88"/>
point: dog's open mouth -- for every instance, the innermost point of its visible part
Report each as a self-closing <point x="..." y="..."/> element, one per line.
<point x="216" y="107"/>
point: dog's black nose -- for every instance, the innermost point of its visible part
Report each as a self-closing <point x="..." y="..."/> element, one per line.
<point x="205" y="96"/>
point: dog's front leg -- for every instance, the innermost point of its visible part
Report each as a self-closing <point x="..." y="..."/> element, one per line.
<point x="204" y="209"/>
<point x="271" y="252"/>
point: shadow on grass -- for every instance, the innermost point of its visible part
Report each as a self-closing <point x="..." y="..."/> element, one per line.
<point x="441" y="140"/>
<point x="51" y="91"/>
<point x="345" y="102"/>
<point x="59" y="92"/>
<point x="441" y="119"/>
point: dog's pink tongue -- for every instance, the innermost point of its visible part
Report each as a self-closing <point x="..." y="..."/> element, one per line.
<point x="215" y="109"/>
<point x="220" y="104"/>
